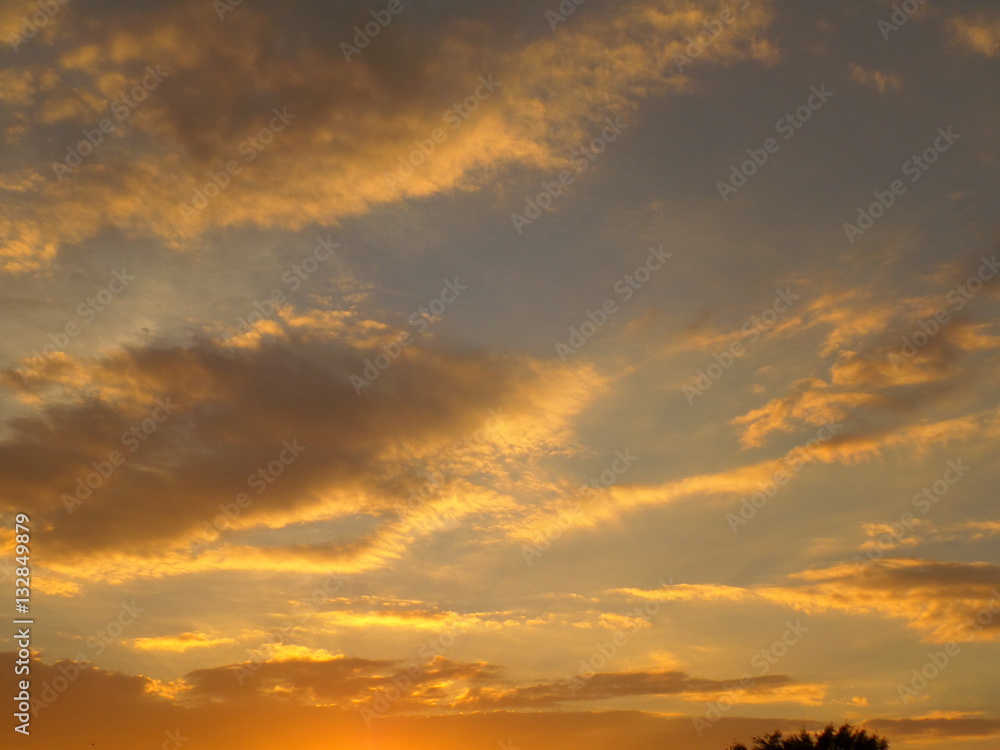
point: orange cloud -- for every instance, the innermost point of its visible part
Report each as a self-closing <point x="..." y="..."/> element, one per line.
<point x="353" y="123"/>
<point x="979" y="34"/>
<point x="942" y="601"/>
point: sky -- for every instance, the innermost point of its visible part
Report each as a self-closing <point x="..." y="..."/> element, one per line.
<point x="431" y="374"/>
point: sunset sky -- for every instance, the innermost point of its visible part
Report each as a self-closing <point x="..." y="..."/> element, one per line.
<point x="424" y="374"/>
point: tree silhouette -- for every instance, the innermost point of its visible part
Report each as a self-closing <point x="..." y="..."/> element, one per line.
<point x="844" y="738"/>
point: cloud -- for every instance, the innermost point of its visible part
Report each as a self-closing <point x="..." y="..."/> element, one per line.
<point x="809" y="403"/>
<point x="771" y="688"/>
<point x="979" y="33"/>
<point x="354" y="122"/>
<point x="812" y="404"/>
<point x="940" y="727"/>
<point x="410" y="619"/>
<point x="442" y="683"/>
<point x="602" y="686"/>
<point x="234" y="416"/>
<point x="886" y="536"/>
<point x="341" y="681"/>
<point x="117" y="712"/>
<point x="179" y="643"/>
<point x="876" y="379"/>
<point x="942" y="601"/>
<point x="877" y="79"/>
<point x="292" y="675"/>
